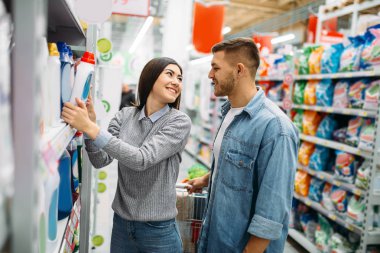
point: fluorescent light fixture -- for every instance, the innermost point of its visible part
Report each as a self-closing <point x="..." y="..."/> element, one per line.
<point x="144" y="29"/>
<point x="283" y="38"/>
<point x="201" y="60"/>
<point x="226" y="30"/>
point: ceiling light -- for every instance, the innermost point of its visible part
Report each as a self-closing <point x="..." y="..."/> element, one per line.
<point x="226" y="30"/>
<point x="283" y="38"/>
<point x="144" y="29"/>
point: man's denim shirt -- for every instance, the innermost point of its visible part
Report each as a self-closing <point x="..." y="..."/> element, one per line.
<point x="253" y="188"/>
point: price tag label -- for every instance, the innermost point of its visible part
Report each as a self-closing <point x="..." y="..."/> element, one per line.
<point x="332" y="216"/>
<point x="330" y="110"/>
<point x="322" y="177"/>
<point x="350" y="227"/>
<point x="337" y="183"/>
<point x="346" y="111"/>
<point x="365" y="114"/>
<point x="312" y="172"/>
<point x="357" y="192"/>
<point x="308" y="202"/>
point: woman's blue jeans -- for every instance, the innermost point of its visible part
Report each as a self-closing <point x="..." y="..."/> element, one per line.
<point x="145" y="237"/>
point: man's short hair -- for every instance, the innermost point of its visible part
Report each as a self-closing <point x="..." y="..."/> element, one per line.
<point x="240" y="50"/>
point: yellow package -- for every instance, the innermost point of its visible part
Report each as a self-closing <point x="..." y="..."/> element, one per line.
<point x="310" y="122"/>
<point x="315" y="60"/>
<point x="304" y="153"/>
<point x="302" y="183"/>
<point x="310" y="93"/>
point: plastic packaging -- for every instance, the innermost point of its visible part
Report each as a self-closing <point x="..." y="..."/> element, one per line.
<point x="275" y="93"/>
<point x="83" y="77"/>
<point x="355" y="209"/>
<point x="316" y="189"/>
<point x="315" y="60"/>
<point x="340" y="199"/>
<point x="371" y="101"/>
<point x="331" y="59"/>
<point x="310" y="93"/>
<point x="345" y="166"/>
<point x="339" y="135"/>
<point x="303" y="68"/>
<point x="356" y="93"/>
<point x="350" y="58"/>
<point x="305" y="152"/>
<point x="302" y="183"/>
<point x="65" y="200"/>
<point x="326" y="197"/>
<point x="323" y="234"/>
<point x="66" y="86"/>
<point x="73" y="151"/>
<point x="353" y="131"/>
<point x="325" y="92"/>
<point x="370" y="57"/>
<point x="319" y="159"/>
<point x="367" y="136"/>
<point x="327" y="127"/>
<point x="298" y="119"/>
<point x="310" y="123"/>
<point x="362" y="175"/>
<point x="54" y="80"/>
<point x="341" y="94"/>
<point x="299" y="91"/>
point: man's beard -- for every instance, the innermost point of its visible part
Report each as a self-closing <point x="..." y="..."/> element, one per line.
<point x="224" y="87"/>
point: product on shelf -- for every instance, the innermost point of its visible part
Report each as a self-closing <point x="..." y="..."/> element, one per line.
<point x="340" y="199"/>
<point x="298" y="119"/>
<point x="263" y="67"/>
<point x="66" y="82"/>
<point x="303" y="61"/>
<point x="338" y="243"/>
<point x="327" y="202"/>
<point x="310" y="123"/>
<point x="362" y="175"/>
<point x="367" y="136"/>
<point x="327" y="127"/>
<point x="371" y="100"/>
<point x="309" y="225"/>
<point x="275" y="93"/>
<point x="310" y="97"/>
<point x="319" y="159"/>
<point x="331" y="59"/>
<point x="65" y="199"/>
<point x="370" y="57"/>
<point x="339" y="135"/>
<point x="355" y="209"/>
<point x="302" y="183"/>
<point x="353" y="131"/>
<point x="341" y="94"/>
<point x="325" y="92"/>
<point x="350" y="58"/>
<point x="54" y="80"/>
<point x="323" y="234"/>
<point x="356" y="93"/>
<point x="316" y="189"/>
<point x="345" y="166"/>
<point x="305" y="152"/>
<point x="299" y="91"/>
<point x="315" y="60"/>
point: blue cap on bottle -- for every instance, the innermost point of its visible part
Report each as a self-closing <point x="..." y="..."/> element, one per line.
<point x="61" y="46"/>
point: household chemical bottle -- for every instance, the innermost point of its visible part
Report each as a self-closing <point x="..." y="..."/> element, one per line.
<point x="65" y="199"/>
<point x="54" y="81"/>
<point x="44" y="102"/>
<point x="65" y="72"/>
<point x="72" y="72"/>
<point x="79" y="140"/>
<point x="72" y="148"/>
<point x="52" y="193"/>
<point x="83" y="77"/>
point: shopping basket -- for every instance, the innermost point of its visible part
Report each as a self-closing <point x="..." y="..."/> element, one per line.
<point x="189" y="219"/>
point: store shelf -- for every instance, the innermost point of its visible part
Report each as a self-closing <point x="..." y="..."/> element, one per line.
<point x="63" y="24"/>
<point x="62" y="224"/>
<point x="329" y="214"/>
<point x="338" y="75"/>
<point x="269" y="78"/>
<point x="199" y="159"/>
<point x="330" y="178"/>
<point x="349" y="9"/>
<point x="344" y="111"/>
<point x="302" y="240"/>
<point x="335" y="145"/>
<point x="55" y="141"/>
<point x="373" y="237"/>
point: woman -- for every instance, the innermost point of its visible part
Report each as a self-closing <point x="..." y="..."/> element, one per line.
<point x="147" y="140"/>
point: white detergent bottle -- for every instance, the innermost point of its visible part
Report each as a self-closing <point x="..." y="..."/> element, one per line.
<point x="72" y="72"/>
<point x="65" y="73"/>
<point x="54" y="79"/>
<point x="83" y="77"/>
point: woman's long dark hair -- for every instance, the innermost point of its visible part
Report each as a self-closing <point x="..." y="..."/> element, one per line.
<point x="148" y="77"/>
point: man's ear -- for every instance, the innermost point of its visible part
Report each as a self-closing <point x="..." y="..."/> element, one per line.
<point x="240" y="69"/>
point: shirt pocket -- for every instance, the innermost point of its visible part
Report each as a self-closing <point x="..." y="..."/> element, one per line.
<point x="239" y="171"/>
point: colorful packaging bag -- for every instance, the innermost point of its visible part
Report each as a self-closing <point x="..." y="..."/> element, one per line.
<point x="340" y="199"/>
<point x="371" y="101"/>
<point x="305" y="152"/>
<point x="331" y="58"/>
<point x="355" y="209"/>
<point x="310" y="97"/>
<point x="299" y="91"/>
<point x="319" y="159"/>
<point x="353" y="131"/>
<point x="327" y="127"/>
<point x="367" y="136"/>
<point x="316" y="189"/>
<point x="350" y="59"/>
<point x="302" y="183"/>
<point x="315" y="60"/>
<point x="311" y="120"/>
<point x="345" y="166"/>
<point x="303" y="67"/>
<point x="325" y="92"/>
<point x="298" y="120"/>
<point x="356" y="93"/>
<point x="341" y="94"/>
<point x="362" y="175"/>
<point x="275" y="93"/>
<point x="370" y="57"/>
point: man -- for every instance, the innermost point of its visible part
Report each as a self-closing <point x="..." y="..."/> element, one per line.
<point x="255" y="157"/>
<point x="128" y="98"/>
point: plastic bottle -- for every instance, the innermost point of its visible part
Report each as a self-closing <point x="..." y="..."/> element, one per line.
<point x="52" y="193"/>
<point x="54" y="79"/>
<point x="83" y="77"/>
<point x="65" y="73"/>
<point x="79" y="140"/>
<point x="73" y="151"/>
<point x="65" y="200"/>
<point x="72" y="72"/>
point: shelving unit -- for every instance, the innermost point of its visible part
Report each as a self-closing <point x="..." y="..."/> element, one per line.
<point x="302" y="240"/>
<point x="344" y="111"/>
<point x="34" y="21"/>
<point x="198" y="158"/>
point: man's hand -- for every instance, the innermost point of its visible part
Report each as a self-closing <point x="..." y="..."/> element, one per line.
<point x="90" y="108"/>
<point x="256" y="245"/>
<point x="197" y="184"/>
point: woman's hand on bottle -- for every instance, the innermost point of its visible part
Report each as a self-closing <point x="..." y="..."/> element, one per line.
<point x="91" y="109"/>
<point x="78" y="118"/>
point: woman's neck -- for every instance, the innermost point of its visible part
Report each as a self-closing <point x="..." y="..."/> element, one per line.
<point x="153" y="106"/>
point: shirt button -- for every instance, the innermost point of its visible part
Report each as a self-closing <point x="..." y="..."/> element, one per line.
<point x="241" y="163"/>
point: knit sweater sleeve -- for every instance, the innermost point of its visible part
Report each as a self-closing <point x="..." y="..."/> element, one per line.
<point x="168" y="141"/>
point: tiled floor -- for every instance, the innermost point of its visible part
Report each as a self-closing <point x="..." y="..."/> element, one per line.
<point x="102" y="213"/>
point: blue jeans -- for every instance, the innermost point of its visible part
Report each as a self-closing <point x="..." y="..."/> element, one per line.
<point x="145" y="237"/>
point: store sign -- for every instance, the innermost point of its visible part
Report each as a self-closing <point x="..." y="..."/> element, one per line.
<point x="131" y="7"/>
